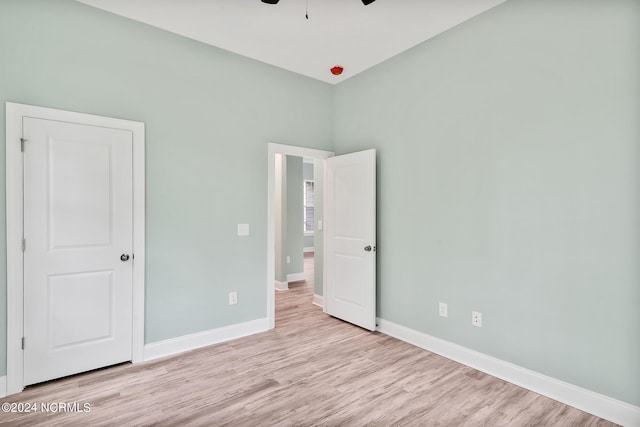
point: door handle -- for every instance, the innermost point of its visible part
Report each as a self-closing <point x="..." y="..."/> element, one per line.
<point x="124" y="257"/>
<point x="368" y="248"/>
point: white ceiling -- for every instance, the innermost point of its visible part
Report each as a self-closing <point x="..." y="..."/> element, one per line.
<point x="338" y="32"/>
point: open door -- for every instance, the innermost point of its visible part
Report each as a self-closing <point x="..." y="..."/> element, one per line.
<point x="350" y="238"/>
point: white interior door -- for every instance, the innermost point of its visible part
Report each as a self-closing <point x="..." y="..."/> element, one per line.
<point x="350" y="238"/>
<point x="78" y="222"/>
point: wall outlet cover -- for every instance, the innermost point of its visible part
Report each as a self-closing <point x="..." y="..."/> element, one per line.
<point x="233" y="298"/>
<point x="476" y="319"/>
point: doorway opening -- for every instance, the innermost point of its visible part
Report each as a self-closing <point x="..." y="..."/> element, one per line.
<point x="349" y="231"/>
<point x="276" y="277"/>
<point x="17" y="244"/>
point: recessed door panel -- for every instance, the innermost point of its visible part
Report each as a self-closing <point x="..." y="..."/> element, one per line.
<point x="80" y="209"/>
<point x="80" y="308"/>
<point x="349" y="284"/>
<point x="348" y="209"/>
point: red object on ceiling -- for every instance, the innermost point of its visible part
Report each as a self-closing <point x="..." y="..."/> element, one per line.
<point x="337" y="70"/>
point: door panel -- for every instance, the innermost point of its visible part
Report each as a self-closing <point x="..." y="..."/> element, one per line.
<point x="350" y="227"/>
<point x="78" y="221"/>
<point x="81" y="308"/>
<point x="350" y="286"/>
<point x="80" y="212"/>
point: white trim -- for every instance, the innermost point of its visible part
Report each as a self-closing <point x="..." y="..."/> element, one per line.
<point x="295" y="277"/>
<point x="3" y="386"/>
<point x="309" y="249"/>
<point x="281" y="286"/>
<point x="597" y="404"/>
<point x="184" y="343"/>
<point x="14" y="212"/>
<point x="272" y="150"/>
<point x="318" y="300"/>
<point x="14" y="114"/>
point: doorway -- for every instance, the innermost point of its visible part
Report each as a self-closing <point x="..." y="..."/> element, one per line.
<point x="73" y="153"/>
<point x="349" y="230"/>
<point x="272" y="195"/>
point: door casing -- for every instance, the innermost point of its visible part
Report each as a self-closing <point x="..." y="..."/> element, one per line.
<point x="15" y="223"/>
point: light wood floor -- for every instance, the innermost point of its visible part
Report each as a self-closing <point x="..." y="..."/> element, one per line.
<point x="312" y="370"/>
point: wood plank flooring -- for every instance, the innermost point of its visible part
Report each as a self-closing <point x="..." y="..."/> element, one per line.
<point x="312" y="370"/>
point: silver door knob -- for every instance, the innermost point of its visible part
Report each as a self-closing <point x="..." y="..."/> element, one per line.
<point x="124" y="257"/>
<point x="367" y="248"/>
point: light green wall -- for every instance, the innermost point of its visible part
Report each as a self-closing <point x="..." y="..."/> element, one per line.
<point x="308" y="241"/>
<point x="209" y="116"/>
<point x="307" y="171"/>
<point x="295" y="226"/>
<point x="509" y="183"/>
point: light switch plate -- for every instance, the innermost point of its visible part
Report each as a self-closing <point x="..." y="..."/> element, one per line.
<point x="320" y="224"/>
<point x="243" y="229"/>
<point x="443" y="310"/>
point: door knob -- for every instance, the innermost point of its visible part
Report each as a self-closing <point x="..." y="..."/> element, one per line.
<point x="124" y="257"/>
<point x="367" y="248"/>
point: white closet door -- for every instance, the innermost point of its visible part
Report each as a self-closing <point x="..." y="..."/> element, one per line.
<point x="78" y="230"/>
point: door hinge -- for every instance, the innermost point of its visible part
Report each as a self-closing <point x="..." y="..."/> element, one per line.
<point x="24" y="245"/>
<point x="23" y="343"/>
<point x="22" y="141"/>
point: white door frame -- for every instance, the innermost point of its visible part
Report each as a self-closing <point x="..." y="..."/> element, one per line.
<point x="287" y="150"/>
<point x="15" y="223"/>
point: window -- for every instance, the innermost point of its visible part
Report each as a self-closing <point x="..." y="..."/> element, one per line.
<point x="308" y="207"/>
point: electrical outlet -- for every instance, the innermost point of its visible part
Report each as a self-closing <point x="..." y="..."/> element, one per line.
<point x="443" y="310"/>
<point x="233" y="298"/>
<point x="288" y="260"/>
<point x="476" y="319"/>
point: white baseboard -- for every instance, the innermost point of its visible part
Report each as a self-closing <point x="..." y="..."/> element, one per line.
<point x="309" y="249"/>
<point x="3" y="386"/>
<point x="318" y="300"/>
<point x="201" y="339"/>
<point x="295" y="277"/>
<point x="281" y="286"/>
<point x="597" y="404"/>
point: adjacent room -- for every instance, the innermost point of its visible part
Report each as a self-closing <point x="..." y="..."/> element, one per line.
<point x="497" y="227"/>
